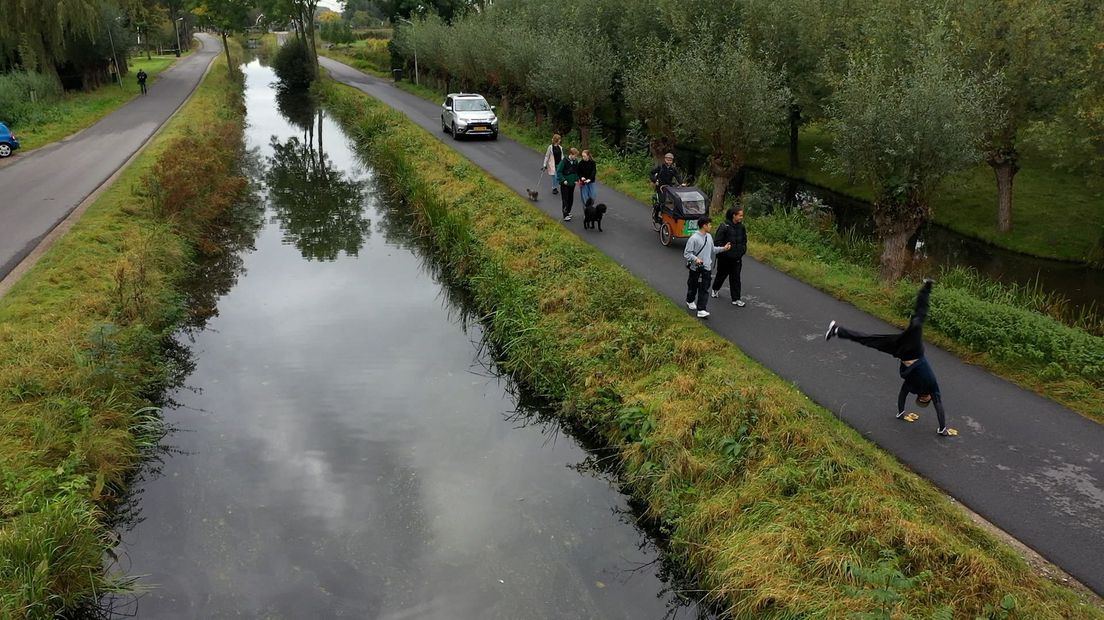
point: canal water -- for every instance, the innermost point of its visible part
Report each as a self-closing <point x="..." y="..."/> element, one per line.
<point x="343" y="446"/>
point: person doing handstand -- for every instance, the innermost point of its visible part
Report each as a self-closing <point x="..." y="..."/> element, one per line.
<point x="908" y="347"/>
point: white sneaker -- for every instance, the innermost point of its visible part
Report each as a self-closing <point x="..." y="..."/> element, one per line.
<point x="702" y="314"/>
<point x="831" y="333"/>
<point x="713" y="293"/>
<point x="567" y="218"/>
<point x="691" y="305"/>
<point x="739" y="303"/>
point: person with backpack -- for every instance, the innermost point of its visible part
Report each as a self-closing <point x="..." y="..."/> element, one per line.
<point x="552" y="157"/>
<point x="699" y="254"/>
<point x="142" y="77"/>
<point x="729" y="264"/>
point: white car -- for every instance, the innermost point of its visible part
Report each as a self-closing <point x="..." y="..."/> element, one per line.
<point x="468" y="114"/>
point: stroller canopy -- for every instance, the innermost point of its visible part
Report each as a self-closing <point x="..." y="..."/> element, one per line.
<point x="687" y="203"/>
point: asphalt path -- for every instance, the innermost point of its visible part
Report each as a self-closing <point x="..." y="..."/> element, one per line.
<point x="39" y="190"/>
<point x="1025" y="463"/>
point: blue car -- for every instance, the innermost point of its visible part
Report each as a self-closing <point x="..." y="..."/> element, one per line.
<point x="8" y="141"/>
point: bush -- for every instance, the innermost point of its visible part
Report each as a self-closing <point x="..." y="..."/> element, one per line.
<point x="22" y="94"/>
<point x="293" y="65"/>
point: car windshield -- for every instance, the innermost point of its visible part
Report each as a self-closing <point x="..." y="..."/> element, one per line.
<point x="471" y="105"/>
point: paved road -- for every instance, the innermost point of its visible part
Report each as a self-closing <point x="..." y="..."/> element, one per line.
<point x="1032" y="467"/>
<point x="41" y="188"/>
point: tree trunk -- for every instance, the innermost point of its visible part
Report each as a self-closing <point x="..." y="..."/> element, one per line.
<point x="722" y="167"/>
<point x="538" y="115"/>
<point x="660" y="146"/>
<point x="895" y="255"/>
<point x="583" y="120"/>
<point x="896" y="222"/>
<point x="795" y="127"/>
<point x="504" y="104"/>
<point x="1005" y="165"/>
<point x="226" y="48"/>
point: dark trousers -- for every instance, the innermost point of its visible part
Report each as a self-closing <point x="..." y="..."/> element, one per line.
<point x="697" y="287"/>
<point x="142" y="85"/>
<point x="729" y="267"/>
<point x="567" y="197"/>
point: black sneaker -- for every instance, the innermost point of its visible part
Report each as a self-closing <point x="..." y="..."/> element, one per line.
<point x="831" y="333"/>
<point x="555" y="190"/>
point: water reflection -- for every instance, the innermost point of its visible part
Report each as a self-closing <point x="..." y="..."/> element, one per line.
<point x="320" y="208"/>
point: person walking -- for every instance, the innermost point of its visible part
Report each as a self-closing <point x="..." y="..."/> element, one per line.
<point x="568" y="174"/>
<point x="661" y="176"/>
<point x="588" y="171"/>
<point x="729" y="264"/>
<point x="142" y="77"/>
<point x="908" y="347"/>
<point x="552" y="157"/>
<point x="699" y="254"/>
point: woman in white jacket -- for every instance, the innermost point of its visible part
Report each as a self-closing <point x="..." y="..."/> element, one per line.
<point x="552" y="156"/>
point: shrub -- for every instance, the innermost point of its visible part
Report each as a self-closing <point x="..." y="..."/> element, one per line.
<point x="293" y="65"/>
<point x="22" y="94"/>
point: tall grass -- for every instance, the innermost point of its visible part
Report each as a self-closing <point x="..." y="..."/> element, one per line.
<point x="777" y="508"/>
<point x="81" y="336"/>
<point x="25" y="95"/>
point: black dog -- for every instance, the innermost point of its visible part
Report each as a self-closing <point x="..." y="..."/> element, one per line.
<point x="533" y="195"/>
<point x="592" y="214"/>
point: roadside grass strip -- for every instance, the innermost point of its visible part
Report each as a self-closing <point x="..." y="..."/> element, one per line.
<point x="55" y="120"/>
<point x="775" y="507"/>
<point x="82" y="337"/>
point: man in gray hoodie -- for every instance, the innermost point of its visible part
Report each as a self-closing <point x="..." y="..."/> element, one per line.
<point x="699" y="255"/>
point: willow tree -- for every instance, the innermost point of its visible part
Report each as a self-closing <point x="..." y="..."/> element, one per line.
<point x="729" y="102"/>
<point x="578" y="74"/>
<point x="1035" y="45"/>
<point x="37" y="33"/>
<point x="648" y="84"/>
<point x="901" y="131"/>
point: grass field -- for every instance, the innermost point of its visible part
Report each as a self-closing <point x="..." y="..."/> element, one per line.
<point x="1055" y="214"/>
<point x="778" y="509"/>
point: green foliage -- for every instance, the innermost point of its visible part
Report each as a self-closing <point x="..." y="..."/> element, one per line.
<point x="338" y="32"/>
<point x="25" y="95"/>
<point x="884" y="584"/>
<point x="294" y="65"/>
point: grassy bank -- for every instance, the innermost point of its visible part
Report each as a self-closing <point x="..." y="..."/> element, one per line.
<point x="775" y="506"/>
<point x="75" y="111"/>
<point x="1040" y="346"/>
<point x="1056" y="214"/>
<point x="81" y="336"/>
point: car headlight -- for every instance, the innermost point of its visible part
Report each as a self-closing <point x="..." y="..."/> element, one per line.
<point x="460" y="123"/>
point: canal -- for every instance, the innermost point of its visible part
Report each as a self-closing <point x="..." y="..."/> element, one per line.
<point x="343" y="446"/>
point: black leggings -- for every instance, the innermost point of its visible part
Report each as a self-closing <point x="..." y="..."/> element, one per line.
<point x="937" y="400"/>
<point x="907" y="345"/>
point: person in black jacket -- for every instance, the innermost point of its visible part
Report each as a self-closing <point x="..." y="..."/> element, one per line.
<point x="908" y="347"/>
<point x="662" y="175"/>
<point x="730" y="263"/>
<point x="588" y="172"/>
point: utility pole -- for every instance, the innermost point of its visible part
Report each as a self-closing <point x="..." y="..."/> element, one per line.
<point x="177" y="30"/>
<point x="415" y="50"/>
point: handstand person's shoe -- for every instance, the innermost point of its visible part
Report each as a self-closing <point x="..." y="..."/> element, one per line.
<point x="831" y="333"/>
